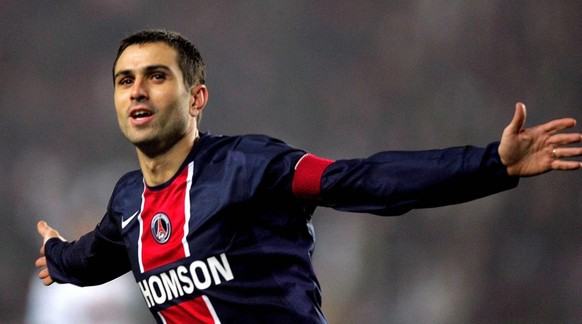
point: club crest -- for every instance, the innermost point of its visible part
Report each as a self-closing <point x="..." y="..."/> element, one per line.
<point x="161" y="228"/>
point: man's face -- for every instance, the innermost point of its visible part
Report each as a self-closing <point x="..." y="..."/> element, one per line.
<point x="151" y="100"/>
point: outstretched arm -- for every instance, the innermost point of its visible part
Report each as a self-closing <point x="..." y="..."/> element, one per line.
<point x="92" y="259"/>
<point x="539" y="149"/>
<point x="47" y="233"/>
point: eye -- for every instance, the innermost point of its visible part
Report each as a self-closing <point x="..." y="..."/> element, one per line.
<point x="158" y="76"/>
<point x="125" y="81"/>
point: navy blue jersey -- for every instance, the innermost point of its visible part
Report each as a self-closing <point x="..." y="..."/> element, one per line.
<point x="228" y="239"/>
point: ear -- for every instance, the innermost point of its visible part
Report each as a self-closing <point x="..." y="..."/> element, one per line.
<point x="199" y="95"/>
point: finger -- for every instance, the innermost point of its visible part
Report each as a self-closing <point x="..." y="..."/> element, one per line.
<point x="558" y="125"/>
<point x="566" y="152"/>
<point x="42" y="274"/>
<point x="518" y="120"/>
<point x="565" y="139"/>
<point x="48" y="281"/>
<point x="47" y="232"/>
<point x="45" y="277"/>
<point x="42" y="228"/>
<point x="40" y="262"/>
<point x="566" y="165"/>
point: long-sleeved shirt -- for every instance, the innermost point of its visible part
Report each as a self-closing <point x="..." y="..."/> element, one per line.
<point x="228" y="239"/>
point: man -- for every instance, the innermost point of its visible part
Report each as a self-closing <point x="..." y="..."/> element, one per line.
<point x="217" y="228"/>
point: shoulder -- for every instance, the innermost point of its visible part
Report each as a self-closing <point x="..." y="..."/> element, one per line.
<point x="129" y="184"/>
<point x="125" y="198"/>
<point x="238" y="141"/>
<point x="257" y="145"/>
<point x="130" y="178"/>
<point x="254" y="158"/>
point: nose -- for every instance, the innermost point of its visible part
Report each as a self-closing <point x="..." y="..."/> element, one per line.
<point x="139" y="90"/>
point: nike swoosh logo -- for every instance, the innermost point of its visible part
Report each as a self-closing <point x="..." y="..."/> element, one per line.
<point x="124" y="222"/>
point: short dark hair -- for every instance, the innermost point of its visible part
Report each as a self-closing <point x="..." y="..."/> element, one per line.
<point x="189" y="58"/>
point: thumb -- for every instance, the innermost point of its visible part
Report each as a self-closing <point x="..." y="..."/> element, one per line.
<point x="518" y="120"/>
<point x="46" y="232"/>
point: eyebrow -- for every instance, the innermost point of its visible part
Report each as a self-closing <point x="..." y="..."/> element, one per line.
<point x="147" y="69"/>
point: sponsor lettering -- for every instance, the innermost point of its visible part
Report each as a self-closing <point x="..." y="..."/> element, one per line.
<point x="184" y="280"/>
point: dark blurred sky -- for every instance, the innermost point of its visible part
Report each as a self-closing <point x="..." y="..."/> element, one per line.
<point x="341" y="79"/>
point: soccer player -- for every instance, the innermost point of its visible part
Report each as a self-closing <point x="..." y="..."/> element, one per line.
<point x="216" y="229"/>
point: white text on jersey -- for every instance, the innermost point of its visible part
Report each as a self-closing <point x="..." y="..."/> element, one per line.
<point x="182" y="280"/>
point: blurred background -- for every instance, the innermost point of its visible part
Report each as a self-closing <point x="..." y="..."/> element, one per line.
<point x="340" y="79"/>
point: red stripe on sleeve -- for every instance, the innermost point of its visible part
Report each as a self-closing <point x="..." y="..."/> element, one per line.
<point x="307" y="178"/>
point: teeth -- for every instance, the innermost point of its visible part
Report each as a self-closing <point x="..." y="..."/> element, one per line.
<point x="139" y="114"/>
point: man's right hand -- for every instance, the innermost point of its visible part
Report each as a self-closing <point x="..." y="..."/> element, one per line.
<point x="46" y="232"/>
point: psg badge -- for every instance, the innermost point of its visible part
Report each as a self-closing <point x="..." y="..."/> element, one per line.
<point x="161" y="228"/>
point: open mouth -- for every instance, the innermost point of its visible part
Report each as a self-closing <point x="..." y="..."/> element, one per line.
<point x="141" y="114"/>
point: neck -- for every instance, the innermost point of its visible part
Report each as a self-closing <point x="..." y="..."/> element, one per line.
<point x="162" y="167"/>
